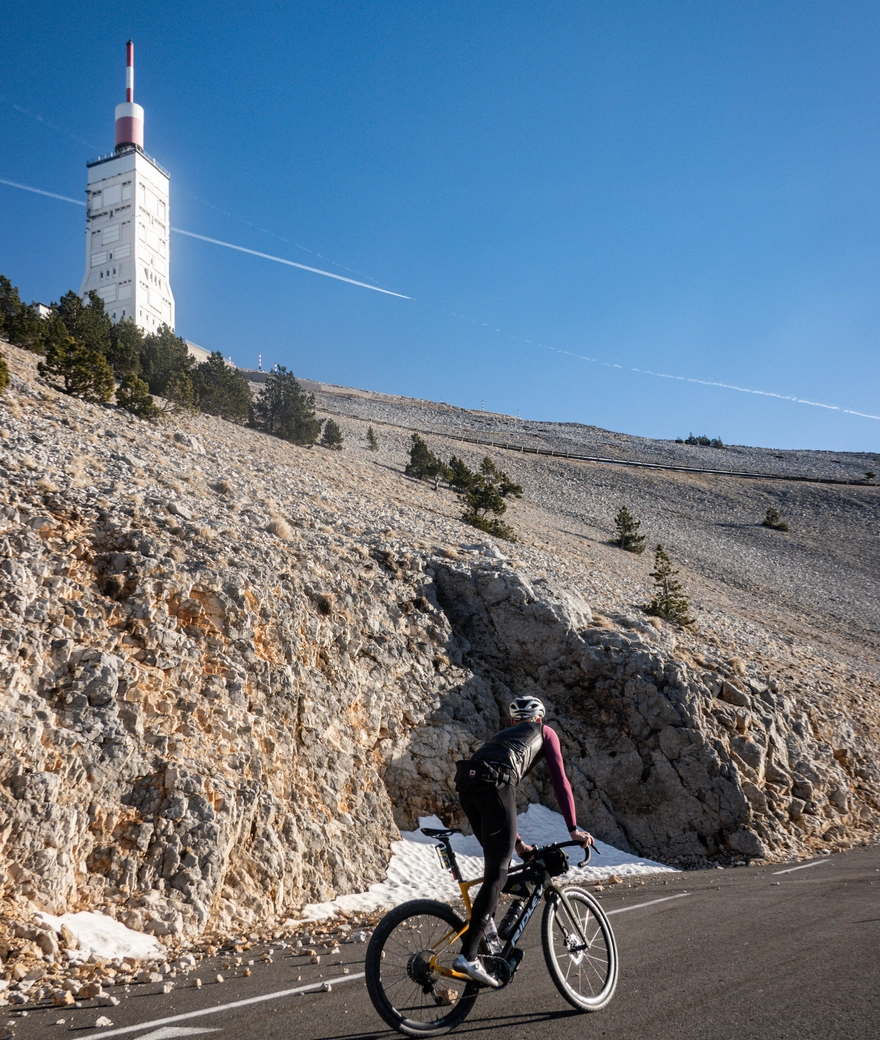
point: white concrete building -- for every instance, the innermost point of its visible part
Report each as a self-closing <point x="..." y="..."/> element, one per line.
<point x="128" y="224"/>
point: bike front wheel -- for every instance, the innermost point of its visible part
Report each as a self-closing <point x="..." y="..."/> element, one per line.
<point x="408" y="946"/>
<point x="579" y="949"/>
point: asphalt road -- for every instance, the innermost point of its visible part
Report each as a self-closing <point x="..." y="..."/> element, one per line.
<point x="742" y="954"/>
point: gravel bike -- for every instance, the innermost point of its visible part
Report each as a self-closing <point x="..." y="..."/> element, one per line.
<point x="409" y="972"/>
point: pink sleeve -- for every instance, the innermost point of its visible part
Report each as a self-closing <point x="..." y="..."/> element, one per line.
<point x="561" y="786"/>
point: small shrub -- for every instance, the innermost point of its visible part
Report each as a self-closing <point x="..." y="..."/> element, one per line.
<point x="669" y="602"/>
<point x="627" y="532"/>
<point x="372" y="443"/>
<point x="280" y="528"/>
<point x="869" y="474"/>
<point x="222" y="487"/>
<point x="134" y="396"/>
<point x="774" y="520"/>
<point x="324" y="604"/>
<point x="4" y="374"/>
<point x="332" y="436"/>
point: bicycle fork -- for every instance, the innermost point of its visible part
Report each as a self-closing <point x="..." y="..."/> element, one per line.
<point x="576" y="942"/>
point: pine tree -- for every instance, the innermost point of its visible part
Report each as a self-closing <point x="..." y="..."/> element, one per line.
<point x="423" y="463"/>
<point x="774" y="520"/>
<point x="87" y="321"/>
<point x="4" y="374"/>
<point x="164" y="356"/>
<point x="332" y="436"/>
<point x="372" y="443"/>
<point x="285" y="410"/>
<point x="484" y="495"/>
<point x="10" y="304"/>
<point x="84" y="372"/>
<point x="133" y="395"/>
<point x="25" y="328"/>
<point x="627" y="532"/>
<point x="222" y="390"/>
<point x="461" y="476"/>
<point x="669" y="601"/>
<point x="126" y="347"/>
<point x="180" y="396"/>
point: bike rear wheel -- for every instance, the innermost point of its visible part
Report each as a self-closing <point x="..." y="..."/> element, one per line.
<point x="579" y="949"/>
<point x="403" y="985"/>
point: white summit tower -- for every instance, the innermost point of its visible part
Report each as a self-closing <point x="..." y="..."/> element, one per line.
<point x="128" y="226"/>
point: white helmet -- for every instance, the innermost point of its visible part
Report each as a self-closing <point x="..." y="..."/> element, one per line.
<point x="524" y="708"/>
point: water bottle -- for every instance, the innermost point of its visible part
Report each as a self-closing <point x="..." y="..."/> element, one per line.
<point x="490" y="936"/>
<point x="508" y="922"/>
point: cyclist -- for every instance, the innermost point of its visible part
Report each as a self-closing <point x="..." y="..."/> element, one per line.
<point x="486" y="785"/>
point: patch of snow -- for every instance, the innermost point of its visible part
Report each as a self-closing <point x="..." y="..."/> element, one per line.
<point x="102" y="937"/>
<point x="415" y="871"/>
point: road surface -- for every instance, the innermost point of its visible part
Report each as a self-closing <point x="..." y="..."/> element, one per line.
<point x="775" y="952"/>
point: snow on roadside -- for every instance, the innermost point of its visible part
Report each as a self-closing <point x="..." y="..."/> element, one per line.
<point x="101" y="937"/>
<point x="415" y="871"/>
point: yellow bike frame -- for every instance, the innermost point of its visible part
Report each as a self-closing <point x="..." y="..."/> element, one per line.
<point x="450" y="937"/>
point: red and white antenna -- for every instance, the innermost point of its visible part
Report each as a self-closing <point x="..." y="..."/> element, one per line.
<point x="129" y="71"/>
<point x="129" y="116"/>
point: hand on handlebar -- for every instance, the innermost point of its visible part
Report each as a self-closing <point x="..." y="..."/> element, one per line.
<point x="583" y="838"/>
<point x="522" y="849"/>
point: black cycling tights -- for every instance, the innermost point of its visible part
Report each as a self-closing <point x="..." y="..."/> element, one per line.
<point x="492" y="814"/>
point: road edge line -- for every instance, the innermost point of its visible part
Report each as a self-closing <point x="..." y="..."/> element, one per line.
<point x="312" y="987"/>
<point x="623" y="909"/>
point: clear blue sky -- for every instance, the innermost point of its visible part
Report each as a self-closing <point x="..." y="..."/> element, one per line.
<point x="683" y="188"/>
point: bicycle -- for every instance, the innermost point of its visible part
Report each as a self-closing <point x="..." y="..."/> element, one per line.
<point x="409" y="973"/>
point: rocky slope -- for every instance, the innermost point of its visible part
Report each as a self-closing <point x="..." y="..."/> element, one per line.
<point x="230" y="668"/>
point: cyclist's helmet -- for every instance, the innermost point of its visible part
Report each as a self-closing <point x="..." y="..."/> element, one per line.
<point x="524" y="708"/>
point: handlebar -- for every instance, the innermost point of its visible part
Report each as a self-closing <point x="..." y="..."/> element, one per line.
<point x="541" y="850"/>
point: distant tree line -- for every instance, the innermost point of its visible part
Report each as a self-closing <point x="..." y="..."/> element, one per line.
<point x="702" y="440"/>
<point x="87" y="355"/>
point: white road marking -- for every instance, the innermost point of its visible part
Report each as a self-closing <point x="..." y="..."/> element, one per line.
<point x="652" y="902"/>
<point x="803" y="866"/>
<point x="314" y="987"/>
<point x="170" y="1032"/>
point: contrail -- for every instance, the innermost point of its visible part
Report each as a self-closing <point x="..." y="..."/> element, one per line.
<point x="39" y="191"/>
<point x="555" y="350"/>
<point x="709" y="382"/>
<point x="217" y="242"/>
<point x="290" y="263"/>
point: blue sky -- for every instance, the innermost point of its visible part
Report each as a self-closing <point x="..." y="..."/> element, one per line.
<point x="574" y="196"/>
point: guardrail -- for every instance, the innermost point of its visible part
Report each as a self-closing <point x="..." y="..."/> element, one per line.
<point x="577" y="457"/>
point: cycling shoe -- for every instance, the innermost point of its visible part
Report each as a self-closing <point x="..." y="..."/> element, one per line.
<point x="475" y="970"/>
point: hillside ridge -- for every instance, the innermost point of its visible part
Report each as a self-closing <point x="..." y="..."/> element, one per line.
<point x="232" y="668"/>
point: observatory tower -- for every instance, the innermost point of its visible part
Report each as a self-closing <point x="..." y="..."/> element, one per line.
<point x="128" y="225"/>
